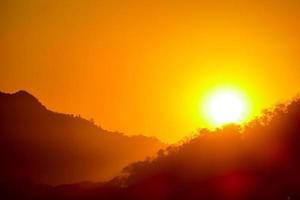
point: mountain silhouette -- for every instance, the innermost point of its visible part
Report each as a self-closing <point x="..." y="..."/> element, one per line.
<point x="257" y="161"/>
<point x="41" y="146"/>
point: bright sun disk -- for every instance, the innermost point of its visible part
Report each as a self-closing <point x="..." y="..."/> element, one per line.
<point x="225" y="106"/>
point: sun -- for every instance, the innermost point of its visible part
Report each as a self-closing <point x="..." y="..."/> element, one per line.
<point x="225" y="106"/>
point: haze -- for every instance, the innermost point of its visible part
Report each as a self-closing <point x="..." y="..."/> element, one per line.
<point x="144" y="67"/>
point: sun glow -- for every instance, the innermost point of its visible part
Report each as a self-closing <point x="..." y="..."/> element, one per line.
<point x="225" y="106"/>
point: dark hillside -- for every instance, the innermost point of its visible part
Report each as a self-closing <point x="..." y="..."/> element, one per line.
<point x="47" y="147"/>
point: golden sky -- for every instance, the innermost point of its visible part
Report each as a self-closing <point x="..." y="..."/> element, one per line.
<point x="144" y="67"/>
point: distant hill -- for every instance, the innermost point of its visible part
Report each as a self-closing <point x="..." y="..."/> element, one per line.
<point x="42" y="146"/>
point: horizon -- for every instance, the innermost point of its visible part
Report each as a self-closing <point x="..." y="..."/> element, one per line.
<point x="211" y="127"/>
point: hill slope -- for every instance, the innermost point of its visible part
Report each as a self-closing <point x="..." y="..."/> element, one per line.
<point x="46" y="147"/>
<point x="258" y="161"/>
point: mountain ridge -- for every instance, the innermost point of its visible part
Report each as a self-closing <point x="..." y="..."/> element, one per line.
<point x="55" y="148"/>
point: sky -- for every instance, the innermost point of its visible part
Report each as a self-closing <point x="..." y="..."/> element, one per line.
<point x="144" y="67"/>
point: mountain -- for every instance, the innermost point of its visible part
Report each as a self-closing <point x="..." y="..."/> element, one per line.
<point x="257" y="161"/>
<point x="42" y="146"/>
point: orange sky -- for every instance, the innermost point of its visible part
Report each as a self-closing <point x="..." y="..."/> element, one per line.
<point x="143" y="67"/>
